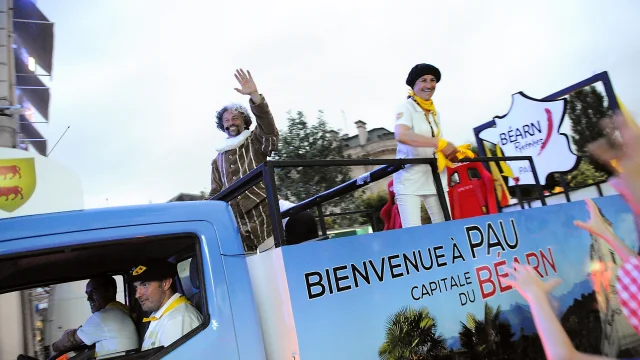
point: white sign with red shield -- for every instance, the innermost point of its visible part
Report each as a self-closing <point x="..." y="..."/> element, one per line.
<point x="532" y="128"/>
<point x="33" y="184"/>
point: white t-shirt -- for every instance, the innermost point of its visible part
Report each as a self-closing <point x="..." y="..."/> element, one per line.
<point x="172" y="325"/>
<point x="111" y="329"/>
<point x="416" y="179"/>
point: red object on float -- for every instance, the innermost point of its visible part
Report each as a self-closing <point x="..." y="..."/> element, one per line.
<point x="471" y="191"/>
<point x="389" y="213"/>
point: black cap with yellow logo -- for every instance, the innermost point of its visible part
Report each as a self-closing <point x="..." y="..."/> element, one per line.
<point x="153" y="270"/>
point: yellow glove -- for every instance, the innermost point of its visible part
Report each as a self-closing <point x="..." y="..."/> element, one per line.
<point x="463" y="151"/>
<point x="616" y="166"/>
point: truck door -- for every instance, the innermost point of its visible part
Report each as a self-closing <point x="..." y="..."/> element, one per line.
<point x="66" y="256"/>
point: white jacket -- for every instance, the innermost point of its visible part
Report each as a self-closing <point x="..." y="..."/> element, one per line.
<point x="416" y="179"/>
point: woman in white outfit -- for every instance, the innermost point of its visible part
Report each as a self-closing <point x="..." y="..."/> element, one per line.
<point x="417" y="130"/>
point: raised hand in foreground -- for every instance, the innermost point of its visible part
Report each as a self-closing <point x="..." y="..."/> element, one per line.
<point x="598" y="227"/>
<point x="621" y="145"/>
<point x="556" y="343"/>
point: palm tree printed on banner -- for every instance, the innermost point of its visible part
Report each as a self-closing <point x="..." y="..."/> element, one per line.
<point x="411" y="334"/>
<point x="487" y="338"/>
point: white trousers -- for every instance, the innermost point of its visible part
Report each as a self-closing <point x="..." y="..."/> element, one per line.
<point x="409" y="208"/>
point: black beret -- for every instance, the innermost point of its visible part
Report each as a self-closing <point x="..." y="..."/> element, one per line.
<point x="421" y="70"/>
<point x="153" y="270"/>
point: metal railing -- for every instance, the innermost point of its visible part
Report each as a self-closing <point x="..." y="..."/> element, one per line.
<point x="265" y="173"/>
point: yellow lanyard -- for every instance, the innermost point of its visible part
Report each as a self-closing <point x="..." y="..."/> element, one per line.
<point x="180" y="300"/>
<point x="429" y="109"/>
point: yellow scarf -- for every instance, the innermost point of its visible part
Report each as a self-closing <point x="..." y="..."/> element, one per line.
<point x="501" y="188"/>
<point x="428" y="107"/>
<point x="180" y="300"/>
<point x="464" y="151"/>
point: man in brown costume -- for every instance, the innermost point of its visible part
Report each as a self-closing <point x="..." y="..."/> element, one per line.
<point x="242" y="151"/>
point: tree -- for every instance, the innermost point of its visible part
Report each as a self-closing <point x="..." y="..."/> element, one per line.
<point x="585" y="108"/>
<point x="302" y="141"/>
<point x="585" y="174"/>
<point x="583" y="325"/>
<point x="486" y="338"/>
<point x="411" y="334"/>
<point x="373" y="202"/>
<point x="476" y="148"/>
<point x="528" y="347"/>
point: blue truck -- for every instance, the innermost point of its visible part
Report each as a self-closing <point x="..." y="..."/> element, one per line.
<point x="343" y="298"/>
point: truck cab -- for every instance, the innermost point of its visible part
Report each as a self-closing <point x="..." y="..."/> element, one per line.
<point x="48" y="249"/>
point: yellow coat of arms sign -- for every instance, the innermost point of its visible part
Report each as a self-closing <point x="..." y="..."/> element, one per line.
<point x="17" y="182"/>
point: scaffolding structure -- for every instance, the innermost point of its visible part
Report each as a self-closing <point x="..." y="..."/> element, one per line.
<point x="26" y="56"/>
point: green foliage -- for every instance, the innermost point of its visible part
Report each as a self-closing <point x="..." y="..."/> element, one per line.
<point x="474" y="149"/>
<point x="373" y="202"/>
<point x="411" y="334"/>
<point x="486" y="338"/>
<point x="585" y="174"/>
<point x="377" y="202"/>
<point x="424" y="215"/>
<point x="586" y="108"/>
<point x="302" y="141"/>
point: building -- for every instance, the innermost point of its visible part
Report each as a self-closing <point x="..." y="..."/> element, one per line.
<point x="187" y="197"/>
<point x="26" y="49"/>
<point x="617" y="333"/>
<point x="26" y="54"/>
<point x="377" y="143"/>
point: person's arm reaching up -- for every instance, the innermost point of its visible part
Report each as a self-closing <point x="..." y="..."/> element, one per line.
<point x="555" y="341"/>
<point x="599" y="228"/>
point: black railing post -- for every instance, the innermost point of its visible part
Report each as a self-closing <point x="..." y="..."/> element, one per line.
<point x="565" y="187"/>
<point x="269" y="180"/>
<point x="374" y="220"/>
<point x="543" y="201"/>
<point x="519" y="197"/>
<point x="440" y="191"/>
<point x="323" y="225"/>
<point x="495" y="183"/>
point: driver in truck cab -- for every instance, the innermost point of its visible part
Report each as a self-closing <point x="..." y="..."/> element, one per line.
<point x="172" y="315"/>
<point x="109" y="327"/>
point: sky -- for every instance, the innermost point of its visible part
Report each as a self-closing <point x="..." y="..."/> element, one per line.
<point x="358" y="316"/>
<point x="138" y="82"/>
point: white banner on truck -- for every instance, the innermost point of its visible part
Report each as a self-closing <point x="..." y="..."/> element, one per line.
<point x="532" y="128"/>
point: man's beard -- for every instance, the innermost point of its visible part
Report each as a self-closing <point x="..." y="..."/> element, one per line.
<point x="233" y="130"/>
